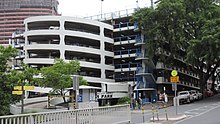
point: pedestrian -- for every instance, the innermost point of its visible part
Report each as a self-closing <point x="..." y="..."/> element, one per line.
<point x="139" y="101"/>
<point x="133" y="102"/>
<point x="161" y="97"/>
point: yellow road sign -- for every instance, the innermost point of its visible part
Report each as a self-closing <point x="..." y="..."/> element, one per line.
<point x="17" y="92"/>
<point x="174" y="73"/>
<point x="17" y="88"/>
<point x="28" y="87"/>
<point x="25" y="87"/>
<point x="174" y="79"/>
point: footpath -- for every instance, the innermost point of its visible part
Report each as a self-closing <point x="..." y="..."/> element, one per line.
<point x="154" y="108"/>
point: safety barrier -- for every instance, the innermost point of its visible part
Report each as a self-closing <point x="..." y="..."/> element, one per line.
<point x="101" y="115"/>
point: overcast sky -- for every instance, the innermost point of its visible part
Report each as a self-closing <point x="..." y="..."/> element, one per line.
<point x="83" y="8"/>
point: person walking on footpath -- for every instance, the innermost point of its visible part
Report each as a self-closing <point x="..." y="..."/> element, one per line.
<point x="139" y="101"/>
<point x="133" y="102"/>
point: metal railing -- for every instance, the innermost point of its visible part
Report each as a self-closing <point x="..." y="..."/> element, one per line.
<point x="102" y="115"/>
<point x="112" y="15"/>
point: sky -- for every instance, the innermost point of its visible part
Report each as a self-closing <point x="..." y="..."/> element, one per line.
<point x="84" y="8"/>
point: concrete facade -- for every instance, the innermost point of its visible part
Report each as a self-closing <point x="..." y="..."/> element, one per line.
<point x="49" y="37"/>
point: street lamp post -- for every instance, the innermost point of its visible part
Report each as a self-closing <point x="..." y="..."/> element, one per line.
<point x="152" y="3"/>
<point x="137" y="3"/>
<point x="101" y="8"/>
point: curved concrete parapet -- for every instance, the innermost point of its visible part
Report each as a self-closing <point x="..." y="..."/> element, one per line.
<point x="69" y="38"/>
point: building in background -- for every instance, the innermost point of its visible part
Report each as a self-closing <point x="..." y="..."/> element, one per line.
<point x="113" y="56"/>
<point x="147" y="77"/>
<point x="90" y="42"/>
<point x="13" y="13"/>
<point x="132" y="66"/>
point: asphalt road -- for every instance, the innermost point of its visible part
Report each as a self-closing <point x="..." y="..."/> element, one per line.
<point x="205" y="111"/>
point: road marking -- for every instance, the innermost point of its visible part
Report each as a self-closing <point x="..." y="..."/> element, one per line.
<point x="197" y="115"/>
<point x="201" y="109"/>
<point x="189" y="105"/>
<point x="194" y="113"/>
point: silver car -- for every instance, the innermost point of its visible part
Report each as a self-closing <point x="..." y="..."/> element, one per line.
<point x="194" y="94"/>
<point x="184" y="96"/>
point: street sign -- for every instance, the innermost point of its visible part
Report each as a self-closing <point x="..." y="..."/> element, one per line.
<point x="174" y="79"/>
<point x="28" y="87"/>
<point x="25" y="87"/>
<point x="174" y="73"/>
<point x="17" y="88"/>
<point x="17" y="92"/>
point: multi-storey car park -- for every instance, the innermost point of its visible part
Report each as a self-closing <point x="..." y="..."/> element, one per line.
<point x="112" y="53"/>
<point x="133" y="66"/>
<point x="13" y="13"/>
<point x="131" y="63"/>
<point x="49" y="37"/>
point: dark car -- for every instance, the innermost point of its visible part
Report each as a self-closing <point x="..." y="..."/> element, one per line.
<point x="209" y="93"/>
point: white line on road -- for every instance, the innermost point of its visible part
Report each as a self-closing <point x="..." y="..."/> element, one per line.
<point x="187" y="112"/>
<point x="197" y="115"/>
<point x="201" y="109"/>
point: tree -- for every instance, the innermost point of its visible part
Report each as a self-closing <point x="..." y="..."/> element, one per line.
<point x="23" y="77"/>
<point x="58" y="76"/>
<point x="6" y="97"/>
<point x="188" y="24"/>
<point x="204" y="49"/>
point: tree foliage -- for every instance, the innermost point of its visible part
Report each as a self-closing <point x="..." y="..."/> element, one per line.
<point x="24" y="76"/>
<point x="58" y="76"/>
<point x="6" y="97"/>
<point x="189" y="24"/>
<point x="124" y="100"/>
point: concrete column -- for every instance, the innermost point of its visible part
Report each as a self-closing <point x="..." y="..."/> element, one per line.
<point x="62" y="22"/>
<point x="62" y="44"/>
<point x="62" y="39"/>
<point x="25" y="49"/>
<point x="102" y="50"/>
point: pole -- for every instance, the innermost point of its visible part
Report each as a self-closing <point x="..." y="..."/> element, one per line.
<point x="143" y="113"/>
<point x="76" y="89"/>
<point x="153" y="112"/>
<point x="152" y="3"/>
<point x="176" y="97"/>
<point x="101" y="8"/>
<point x="137" y="3"/>
<point x="22" y="99"/>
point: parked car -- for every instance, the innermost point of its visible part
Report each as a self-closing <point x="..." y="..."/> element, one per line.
<point x="184" y="96"/>
<point x="194" y="94"/>
<point x="200" y="96"/>
<point x="209" y="93"/>
<point x="191" y="96"/>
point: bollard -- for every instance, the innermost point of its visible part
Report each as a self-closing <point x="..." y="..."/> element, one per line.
<point x="165" y="108"/>
<point x="157" y="113"/>
<point x="143" y="113"/>
<point x="151" y="109"/>
<point x="153" y="112"/>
